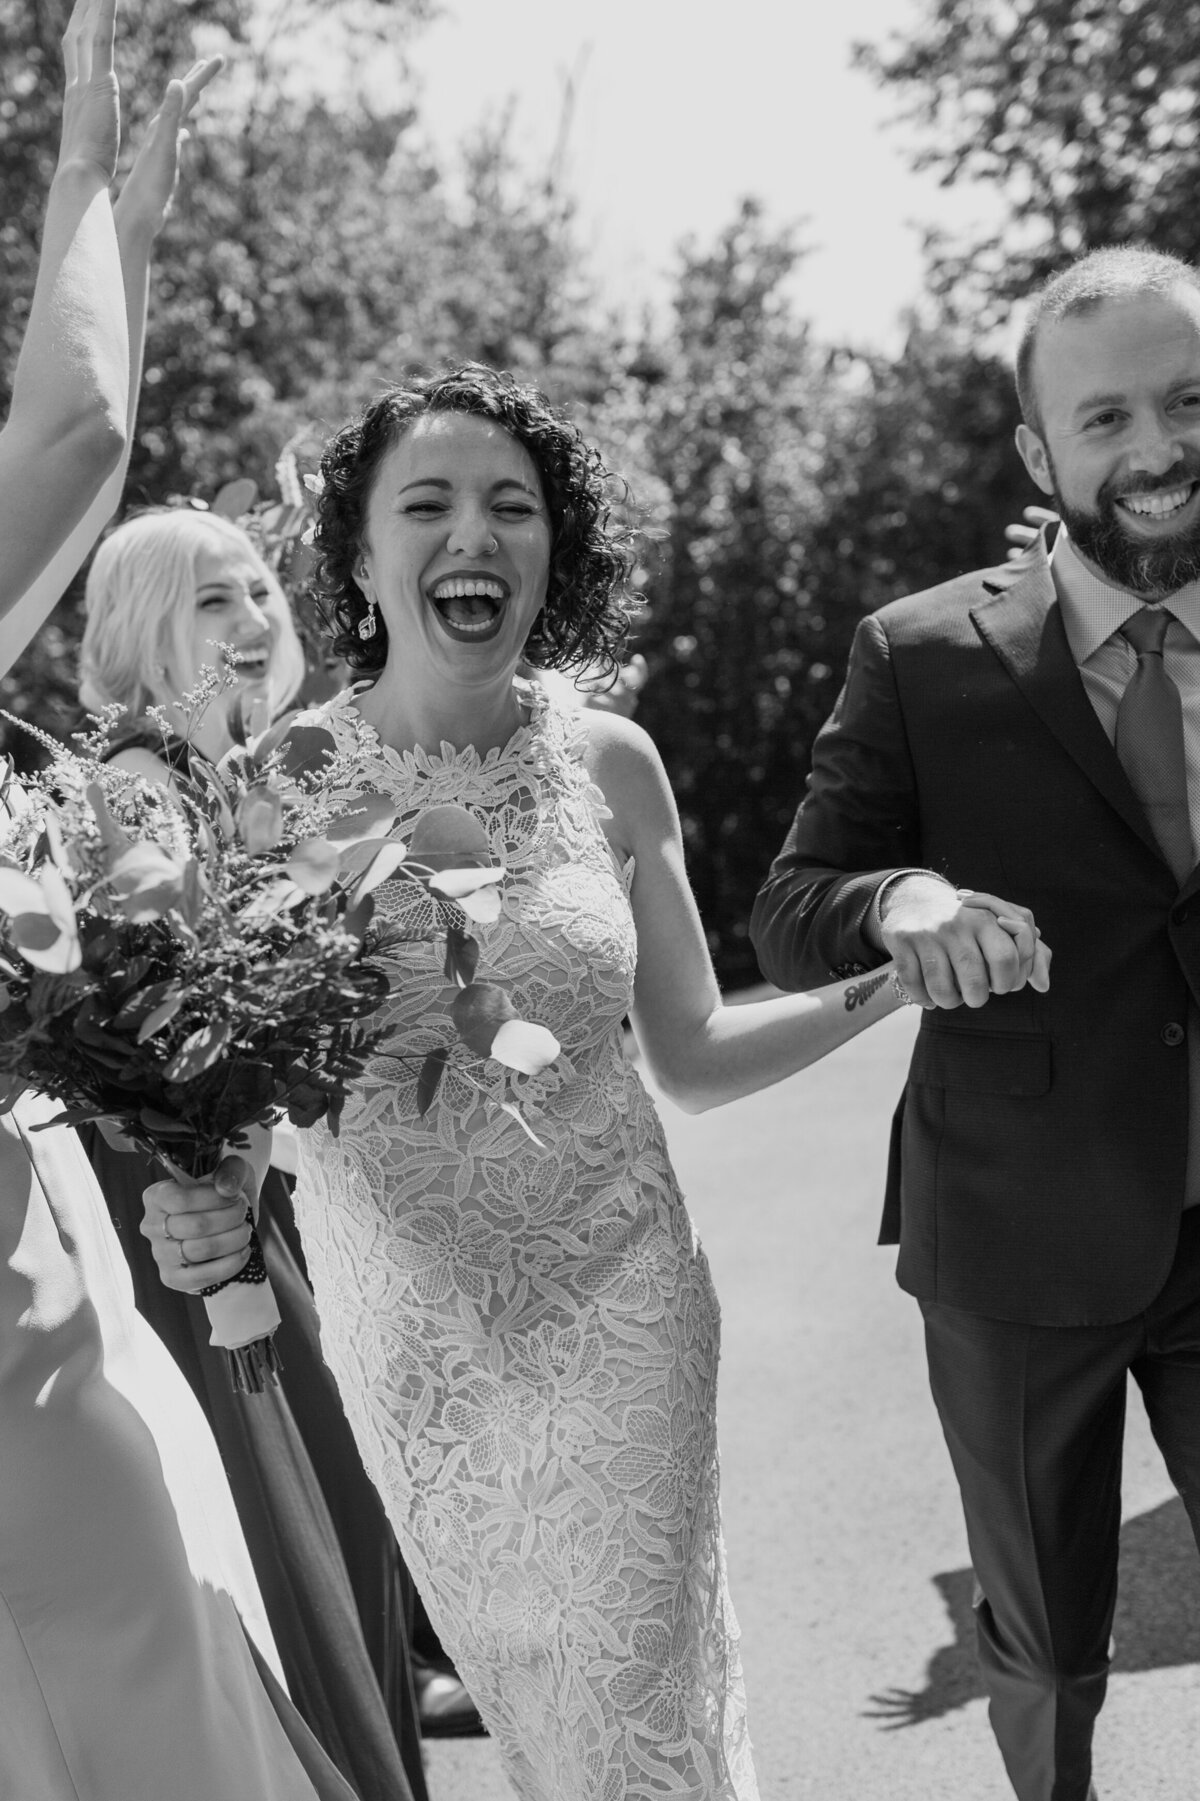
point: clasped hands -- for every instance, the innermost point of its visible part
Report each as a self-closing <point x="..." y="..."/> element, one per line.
<point x="956" y="947"/>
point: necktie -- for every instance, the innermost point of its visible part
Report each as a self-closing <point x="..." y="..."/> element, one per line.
<point x="1150" y="740"/>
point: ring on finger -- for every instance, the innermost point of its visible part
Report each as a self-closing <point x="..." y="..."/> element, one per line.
<point x="178" y="1242"/>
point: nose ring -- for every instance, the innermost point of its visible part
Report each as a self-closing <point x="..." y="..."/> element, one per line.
<point x="491" y="547"/>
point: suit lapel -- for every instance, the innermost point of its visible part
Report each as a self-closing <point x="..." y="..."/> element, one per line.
<point x="1022" y="621"/>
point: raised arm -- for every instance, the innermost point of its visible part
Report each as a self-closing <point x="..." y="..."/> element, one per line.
<point x="139" y="213"/>
<point x="66" y="427"/>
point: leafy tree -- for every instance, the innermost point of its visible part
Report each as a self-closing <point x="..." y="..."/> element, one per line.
<point x="793" y="489"/>
<point x="312" y="255"/>
<point x="731" y="410"/>
<point x="925" y="474"/>
<point x="1086" y="114"/>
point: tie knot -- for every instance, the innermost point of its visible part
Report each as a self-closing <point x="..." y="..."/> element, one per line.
<point x="1147" y="630"/>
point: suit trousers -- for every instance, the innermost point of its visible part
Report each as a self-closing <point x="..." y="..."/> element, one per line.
<point x="1034" y="1420"/>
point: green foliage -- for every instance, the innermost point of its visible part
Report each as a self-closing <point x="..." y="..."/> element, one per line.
<point x="188" y="964"/>
<point x="312" y="255"/>
<point x="316" y="253"/>
<point x="159" y="972"/>
<point x="1084" y="114"/>
<point x="736" y="412"/>
<point x="926" y="474"/>
<point x="795" y="488"/>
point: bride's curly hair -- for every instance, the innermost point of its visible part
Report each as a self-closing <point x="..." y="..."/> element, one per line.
<point x="590" y="597"/>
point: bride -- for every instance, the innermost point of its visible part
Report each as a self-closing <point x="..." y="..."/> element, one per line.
<point x="524" y="1330"/>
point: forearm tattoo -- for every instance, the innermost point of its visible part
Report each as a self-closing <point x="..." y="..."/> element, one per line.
<point x="860" y="993"/>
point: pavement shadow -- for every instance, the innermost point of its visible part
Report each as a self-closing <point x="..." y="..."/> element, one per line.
<point x="1157" y="1625"/>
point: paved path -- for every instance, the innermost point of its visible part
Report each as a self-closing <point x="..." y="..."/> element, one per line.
<point x="846" y="1550"/>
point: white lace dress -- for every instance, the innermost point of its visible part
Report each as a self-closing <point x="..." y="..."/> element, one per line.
<point x="526" y="1338"/>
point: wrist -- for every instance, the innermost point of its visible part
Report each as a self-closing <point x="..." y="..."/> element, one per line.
<point x="137" y="226"/>
<point x="909" y="880"/>
<point x="875" y="995"/>
<point x="897" y="992"/>
<point x="80" y="174"/>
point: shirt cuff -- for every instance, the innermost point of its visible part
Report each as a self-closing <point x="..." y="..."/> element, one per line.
<point x="898" y="875"/>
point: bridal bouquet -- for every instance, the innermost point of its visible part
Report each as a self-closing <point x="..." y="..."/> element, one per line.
<point x="184" y="965"/>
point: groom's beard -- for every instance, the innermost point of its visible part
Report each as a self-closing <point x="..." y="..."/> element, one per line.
<point x="1151" y="570"/>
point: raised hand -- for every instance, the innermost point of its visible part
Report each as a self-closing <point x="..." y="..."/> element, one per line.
<point x="91" y="119"/>
<point x="149" y="188"/>
<point x="1020" y="537"/>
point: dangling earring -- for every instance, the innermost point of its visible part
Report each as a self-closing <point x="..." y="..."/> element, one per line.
<point x="366" y="627"/>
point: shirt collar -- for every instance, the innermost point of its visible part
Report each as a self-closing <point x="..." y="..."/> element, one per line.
<point x="1092" y="610"/>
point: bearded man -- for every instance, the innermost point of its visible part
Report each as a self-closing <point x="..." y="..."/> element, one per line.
<point x="1033" y="731"/>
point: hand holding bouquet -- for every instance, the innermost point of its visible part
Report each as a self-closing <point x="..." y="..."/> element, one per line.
<point x="188" y="964"/>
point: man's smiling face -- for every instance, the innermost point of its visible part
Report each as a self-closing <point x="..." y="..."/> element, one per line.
<point x="1118" y="391"/>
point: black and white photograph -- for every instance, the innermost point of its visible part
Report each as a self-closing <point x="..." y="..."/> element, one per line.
<point x="599" y="900"/>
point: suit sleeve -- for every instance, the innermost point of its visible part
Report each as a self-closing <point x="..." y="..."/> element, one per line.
<point x="857" y="824"/>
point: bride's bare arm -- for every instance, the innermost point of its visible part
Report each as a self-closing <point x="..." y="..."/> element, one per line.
<point x="701" y="1052"/>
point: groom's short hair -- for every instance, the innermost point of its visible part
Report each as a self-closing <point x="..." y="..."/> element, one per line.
<point x="1112" y="274"/>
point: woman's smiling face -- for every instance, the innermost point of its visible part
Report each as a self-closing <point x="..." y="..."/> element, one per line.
<point x="238" y="604"/>
<point x="456" y="552"/>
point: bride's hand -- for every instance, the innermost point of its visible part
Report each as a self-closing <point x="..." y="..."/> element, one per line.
<point x="1034" y="951"/>
<point x="199" y="1232"/>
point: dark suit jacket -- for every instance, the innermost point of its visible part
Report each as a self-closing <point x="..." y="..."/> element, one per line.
<point x="1038" y="1155"/>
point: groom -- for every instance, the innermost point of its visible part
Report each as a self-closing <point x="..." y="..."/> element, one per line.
<point x="1034" y="730"/>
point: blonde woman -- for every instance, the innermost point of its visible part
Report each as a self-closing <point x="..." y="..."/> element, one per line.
<point x="166" y="589"/>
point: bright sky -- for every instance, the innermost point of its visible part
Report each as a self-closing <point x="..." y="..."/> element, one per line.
<point x="682" y="107"/>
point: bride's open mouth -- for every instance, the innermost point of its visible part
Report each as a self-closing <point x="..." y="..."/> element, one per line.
<point x="469" y="608"/>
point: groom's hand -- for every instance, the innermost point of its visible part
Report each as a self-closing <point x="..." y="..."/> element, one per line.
<point x="199" y="1232"/>
<point x="954" y="948"/>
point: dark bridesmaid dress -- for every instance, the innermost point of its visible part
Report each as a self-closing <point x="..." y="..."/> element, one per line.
<point x="337" y="1595"/>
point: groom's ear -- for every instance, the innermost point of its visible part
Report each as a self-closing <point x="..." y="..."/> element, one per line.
<point x="1033" y="454"/>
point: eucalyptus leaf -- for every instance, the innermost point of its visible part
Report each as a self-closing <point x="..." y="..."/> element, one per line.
<point x="159" y="1017"/>
<point x="313" y="865"/>
<point x="382" y="866"/>
<point x="455" y="884"/>
<point x="198" y="1052"/>
<point x="368" y="815"/>
<point x="483" y="907"/>
<point x="525" y="1047"/>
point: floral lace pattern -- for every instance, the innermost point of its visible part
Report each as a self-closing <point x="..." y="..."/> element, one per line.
<point x="526" y="1336"/>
